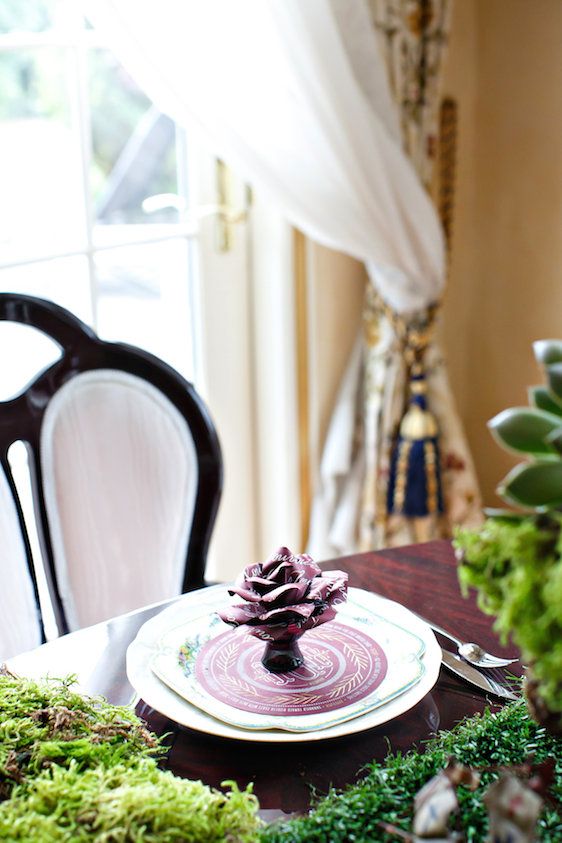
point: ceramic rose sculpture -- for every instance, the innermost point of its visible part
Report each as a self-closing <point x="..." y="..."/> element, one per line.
<point x="283" y="598"/>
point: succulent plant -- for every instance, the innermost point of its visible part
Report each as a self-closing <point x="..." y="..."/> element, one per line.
<point x="535" y="431"/>
<point x="515" y="559"/>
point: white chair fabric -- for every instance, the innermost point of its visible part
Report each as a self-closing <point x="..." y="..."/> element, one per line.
<point x="20" y="629"/>
<point x="120" y="478"/>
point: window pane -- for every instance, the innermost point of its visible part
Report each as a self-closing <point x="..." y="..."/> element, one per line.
<point x="134" y="149"/>
<point x="29" y="352"/>
<point x="41" y="205"/>
<point x="28" y="15"/>
<point x="143" y="299"/>
<point x="64" y="281"/>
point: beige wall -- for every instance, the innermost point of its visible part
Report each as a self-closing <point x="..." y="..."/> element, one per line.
<point x="336" y="291"/>
<point x="505" y="68"/>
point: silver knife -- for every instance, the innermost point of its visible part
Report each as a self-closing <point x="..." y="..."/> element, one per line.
<point x="470" y="674"/>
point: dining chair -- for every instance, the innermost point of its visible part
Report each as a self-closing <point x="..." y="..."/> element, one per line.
<point x="126" y="475"/>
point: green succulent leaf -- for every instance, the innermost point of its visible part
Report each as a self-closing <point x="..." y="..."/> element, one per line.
<point x="536" y="485"/>
<point x="510" y="515"/>
<point x="555" y="439"/>
<point x="541" y="397"/>
<point x="548" y="351"/>
<point x="554" y="377"/>
<point x="525" y="430"/>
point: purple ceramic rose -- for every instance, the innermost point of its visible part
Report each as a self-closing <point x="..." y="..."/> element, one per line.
<point x="285" y="596"/>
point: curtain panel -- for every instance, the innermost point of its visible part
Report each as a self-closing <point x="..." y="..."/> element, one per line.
<point x="296" y="97"/>
<point x="351" y="507"/>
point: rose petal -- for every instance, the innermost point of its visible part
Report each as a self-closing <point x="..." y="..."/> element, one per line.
<point x="303" y="610"/>
<point x="254" y="570"/>
<point x="328" y="614"/>
<point x="280" y="574"/>
<point x="237" y="615"/>
<point x="260" y="584"/>
<point x="329" y="586"/>
<point x="286" y="595"/>
<point x="245" y="593"/>
<point x="319" y="589"/>
<point x="338" y="578"/>
<point x="282" y="554"/>
<point x="306" y="569"/>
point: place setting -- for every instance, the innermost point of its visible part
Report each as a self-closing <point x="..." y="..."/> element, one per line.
<point x="287" y="653"/>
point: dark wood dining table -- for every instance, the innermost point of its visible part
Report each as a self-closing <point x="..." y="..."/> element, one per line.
<point x="422" y="577"/>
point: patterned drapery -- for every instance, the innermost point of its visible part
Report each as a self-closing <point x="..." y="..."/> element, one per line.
<point x="384" y="389"/>
<point x="351" y="508"/>
<point x="413" y="37"/>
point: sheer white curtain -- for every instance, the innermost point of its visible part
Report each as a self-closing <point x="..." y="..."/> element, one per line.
<point x="294" y="95"/>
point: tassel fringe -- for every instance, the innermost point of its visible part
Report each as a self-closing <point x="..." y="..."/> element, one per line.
<point x="414" y="487"/>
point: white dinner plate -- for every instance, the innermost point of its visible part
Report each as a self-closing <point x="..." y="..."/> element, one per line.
<point x="157" y="694"/>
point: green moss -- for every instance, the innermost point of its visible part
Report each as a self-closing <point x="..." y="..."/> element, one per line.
<point x="388" y="790"/>
<point x="45" y="723"/>
<point x="74" y="769"/>
<point x="125" y="803"/>
<point x="517" y="569"/>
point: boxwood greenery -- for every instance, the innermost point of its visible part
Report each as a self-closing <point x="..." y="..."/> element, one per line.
<point x="386" y="793"/>
<point x="76" y="769"/>
<point x="516" y="566"/>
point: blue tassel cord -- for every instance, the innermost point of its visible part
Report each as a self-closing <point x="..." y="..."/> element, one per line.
<point x="414" y="487"/>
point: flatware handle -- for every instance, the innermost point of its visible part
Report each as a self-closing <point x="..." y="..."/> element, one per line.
<point x="474" y="677"/>
<point x="436" y="628"/>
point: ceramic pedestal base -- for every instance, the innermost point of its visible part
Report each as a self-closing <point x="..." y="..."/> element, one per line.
<point x="282" y="656"/>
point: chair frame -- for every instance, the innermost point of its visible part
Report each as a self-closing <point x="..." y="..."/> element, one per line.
<point x="21" y="420"/>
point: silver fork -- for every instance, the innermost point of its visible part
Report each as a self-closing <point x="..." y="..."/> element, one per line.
<point x="472" y="653"/>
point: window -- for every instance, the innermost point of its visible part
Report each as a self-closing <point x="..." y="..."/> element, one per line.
<point x="98" y="213"/>
<point x="93" y="203"/>
<point x="93" y="206"/>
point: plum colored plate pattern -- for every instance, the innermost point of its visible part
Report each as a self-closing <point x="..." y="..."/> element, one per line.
<point x="341" y="666"/>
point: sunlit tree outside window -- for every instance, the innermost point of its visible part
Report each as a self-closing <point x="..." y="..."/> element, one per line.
<point x="94" y="188"/>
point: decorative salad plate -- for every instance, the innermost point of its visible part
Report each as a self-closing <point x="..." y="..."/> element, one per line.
<point x="371" y="664"/>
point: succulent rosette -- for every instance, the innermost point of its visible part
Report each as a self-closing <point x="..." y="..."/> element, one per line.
<point x="284" y="596"/>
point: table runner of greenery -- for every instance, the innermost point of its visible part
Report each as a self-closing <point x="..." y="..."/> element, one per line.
<point x="76" y="769"/>
<point x="386" y="793"/>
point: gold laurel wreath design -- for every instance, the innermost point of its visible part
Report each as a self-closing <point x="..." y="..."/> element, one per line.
<point x="344" y="688"/>
<point x="227" y="656"/>
<point x="297" y="699"/>
<point x="357" y="657"/>
<point x="241" y="685"/>
<point x="359" y="660"/>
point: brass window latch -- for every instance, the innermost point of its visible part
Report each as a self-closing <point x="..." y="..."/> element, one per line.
<point x="231" y="208"/>
<point x="229" y="212"/>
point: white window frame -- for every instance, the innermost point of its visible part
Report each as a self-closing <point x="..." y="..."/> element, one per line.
<point x="78" y="41"/>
